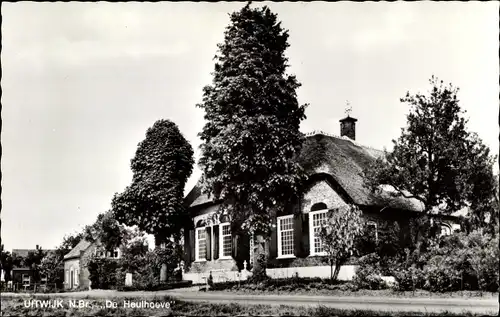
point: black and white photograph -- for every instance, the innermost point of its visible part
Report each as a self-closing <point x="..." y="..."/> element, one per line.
<point x="250" y="158"/>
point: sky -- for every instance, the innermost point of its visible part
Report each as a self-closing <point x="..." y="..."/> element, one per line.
<point x="82" y="82"/>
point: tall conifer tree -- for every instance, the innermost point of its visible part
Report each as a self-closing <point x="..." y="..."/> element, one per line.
<point x="251" y="135"/>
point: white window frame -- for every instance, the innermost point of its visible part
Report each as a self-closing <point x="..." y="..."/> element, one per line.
<point x="28" y="280"/>
<point x="77" y="277"/>
<point x="66" y="277"/>
<point x="221" y="240"/>
<point x="280" y="247"/>
<point x="447" y="230"/>
<point x="197" y="248"/>
<point x="311" y="233"/>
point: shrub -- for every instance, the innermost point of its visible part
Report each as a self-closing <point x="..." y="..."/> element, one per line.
<point x="484" y="260"/>
<point x="368" y="273"/>
<point x="441" y="274"/>
<point x="310" y="261"/>
<point x="102" y="272"/>
<point x="452" y="263"/>
<point x="408" y="279"/>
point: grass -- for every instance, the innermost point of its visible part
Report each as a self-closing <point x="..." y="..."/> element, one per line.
<point x="317" y="286"/>
<point x="14" y="306"/>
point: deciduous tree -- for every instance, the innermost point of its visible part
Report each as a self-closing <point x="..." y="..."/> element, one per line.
<point x="339" y="234"/>
<point x="107" y="231"/>
<point x="436" y="160"/>
<point x="251" y="135"/>
<point x="161" y="167"/>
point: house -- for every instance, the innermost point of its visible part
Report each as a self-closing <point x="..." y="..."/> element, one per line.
<point x="335" y="167"/>
<point x="25" y="276"/>
<point x="76" y="273"/>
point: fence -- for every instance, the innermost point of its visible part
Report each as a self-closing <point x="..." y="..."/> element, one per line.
<point x="31" y="288"/>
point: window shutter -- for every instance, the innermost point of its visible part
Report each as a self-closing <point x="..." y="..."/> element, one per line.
<point x="187" y="246"/>
<point x="192" y="245"/>
<point x="234" y="246"/>
<point x="297" y="235"/>
<point x="244" y="247"/>
<point x="273" y="243"/>
<point x="305" y="234"/>
<point x="209" y="243"/>
<point x="216" y="242"/>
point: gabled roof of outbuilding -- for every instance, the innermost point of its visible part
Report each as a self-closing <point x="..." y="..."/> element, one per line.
<point x="75" y="252"/>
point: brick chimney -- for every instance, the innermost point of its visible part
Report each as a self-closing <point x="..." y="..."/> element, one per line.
<point x="348" y="127"/>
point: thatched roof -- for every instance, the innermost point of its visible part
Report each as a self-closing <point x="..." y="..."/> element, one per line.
<point x="342" y="159"/>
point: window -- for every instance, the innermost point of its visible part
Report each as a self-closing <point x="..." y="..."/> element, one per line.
<point x="43" y="279"/>
<point x="316" y="220"/>
<point x="372" y="227"/>
<point x="77" y="277"/>
<point x="26" y="279"/>
<point x="285" y="236"/>
<point x="201" y="244"/>
<point x="445" y="230"/>
<point x="116" y="254"/>
<point x="225" y="241"/>
<point x="67" y="277"/>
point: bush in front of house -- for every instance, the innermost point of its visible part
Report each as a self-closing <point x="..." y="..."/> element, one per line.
<point x="368" y="273"/>
<point x="291" y="284"/>
<point x="463" y="262"/>
<point x="102" y="272"/>
<point x="408" y="278"/>
<point x="452" y="263"/>
<point x="144" y="265"/>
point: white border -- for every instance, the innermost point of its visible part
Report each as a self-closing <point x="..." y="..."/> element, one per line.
<point x="221" y="241"/>
<point x="288" y="256"/>
<point x="311" y="233"/>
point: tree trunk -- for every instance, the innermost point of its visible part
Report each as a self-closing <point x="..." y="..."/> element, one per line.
<point x="336" y="272"/>
<point x="338" y="265"/>
<point x="260" y="258"/>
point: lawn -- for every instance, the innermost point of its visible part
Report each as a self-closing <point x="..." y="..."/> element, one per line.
<point x="316" y="286"/>
<point x="15" y="306"/>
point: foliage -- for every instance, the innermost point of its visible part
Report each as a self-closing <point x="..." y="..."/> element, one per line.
<point x="107" y="231"/>
<point x="136" y="258"/>
<point x="8" y="261"/>
<point x="368" y="273"/>
<point x="484" y="261"/>
<point x="458" y="262"/>
<point x="68" y="243"/>
<point x="102" y="272"/>
<point x="52" y="267"/>
<point x="251" y="137"/>
<point x="436" y="160"/>
<point x="33" y="260"/>
<point x="408" y="278"/>
<point x="146" y="266"/>
<point x="310" y="261"/>
<point x="161" y="166"/>
<point x="339" y="234"/>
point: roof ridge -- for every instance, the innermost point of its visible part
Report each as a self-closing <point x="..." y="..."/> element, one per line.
<point x="315" y="132"/>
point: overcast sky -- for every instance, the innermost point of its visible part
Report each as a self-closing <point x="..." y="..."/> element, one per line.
<point x="82" y="82"/>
